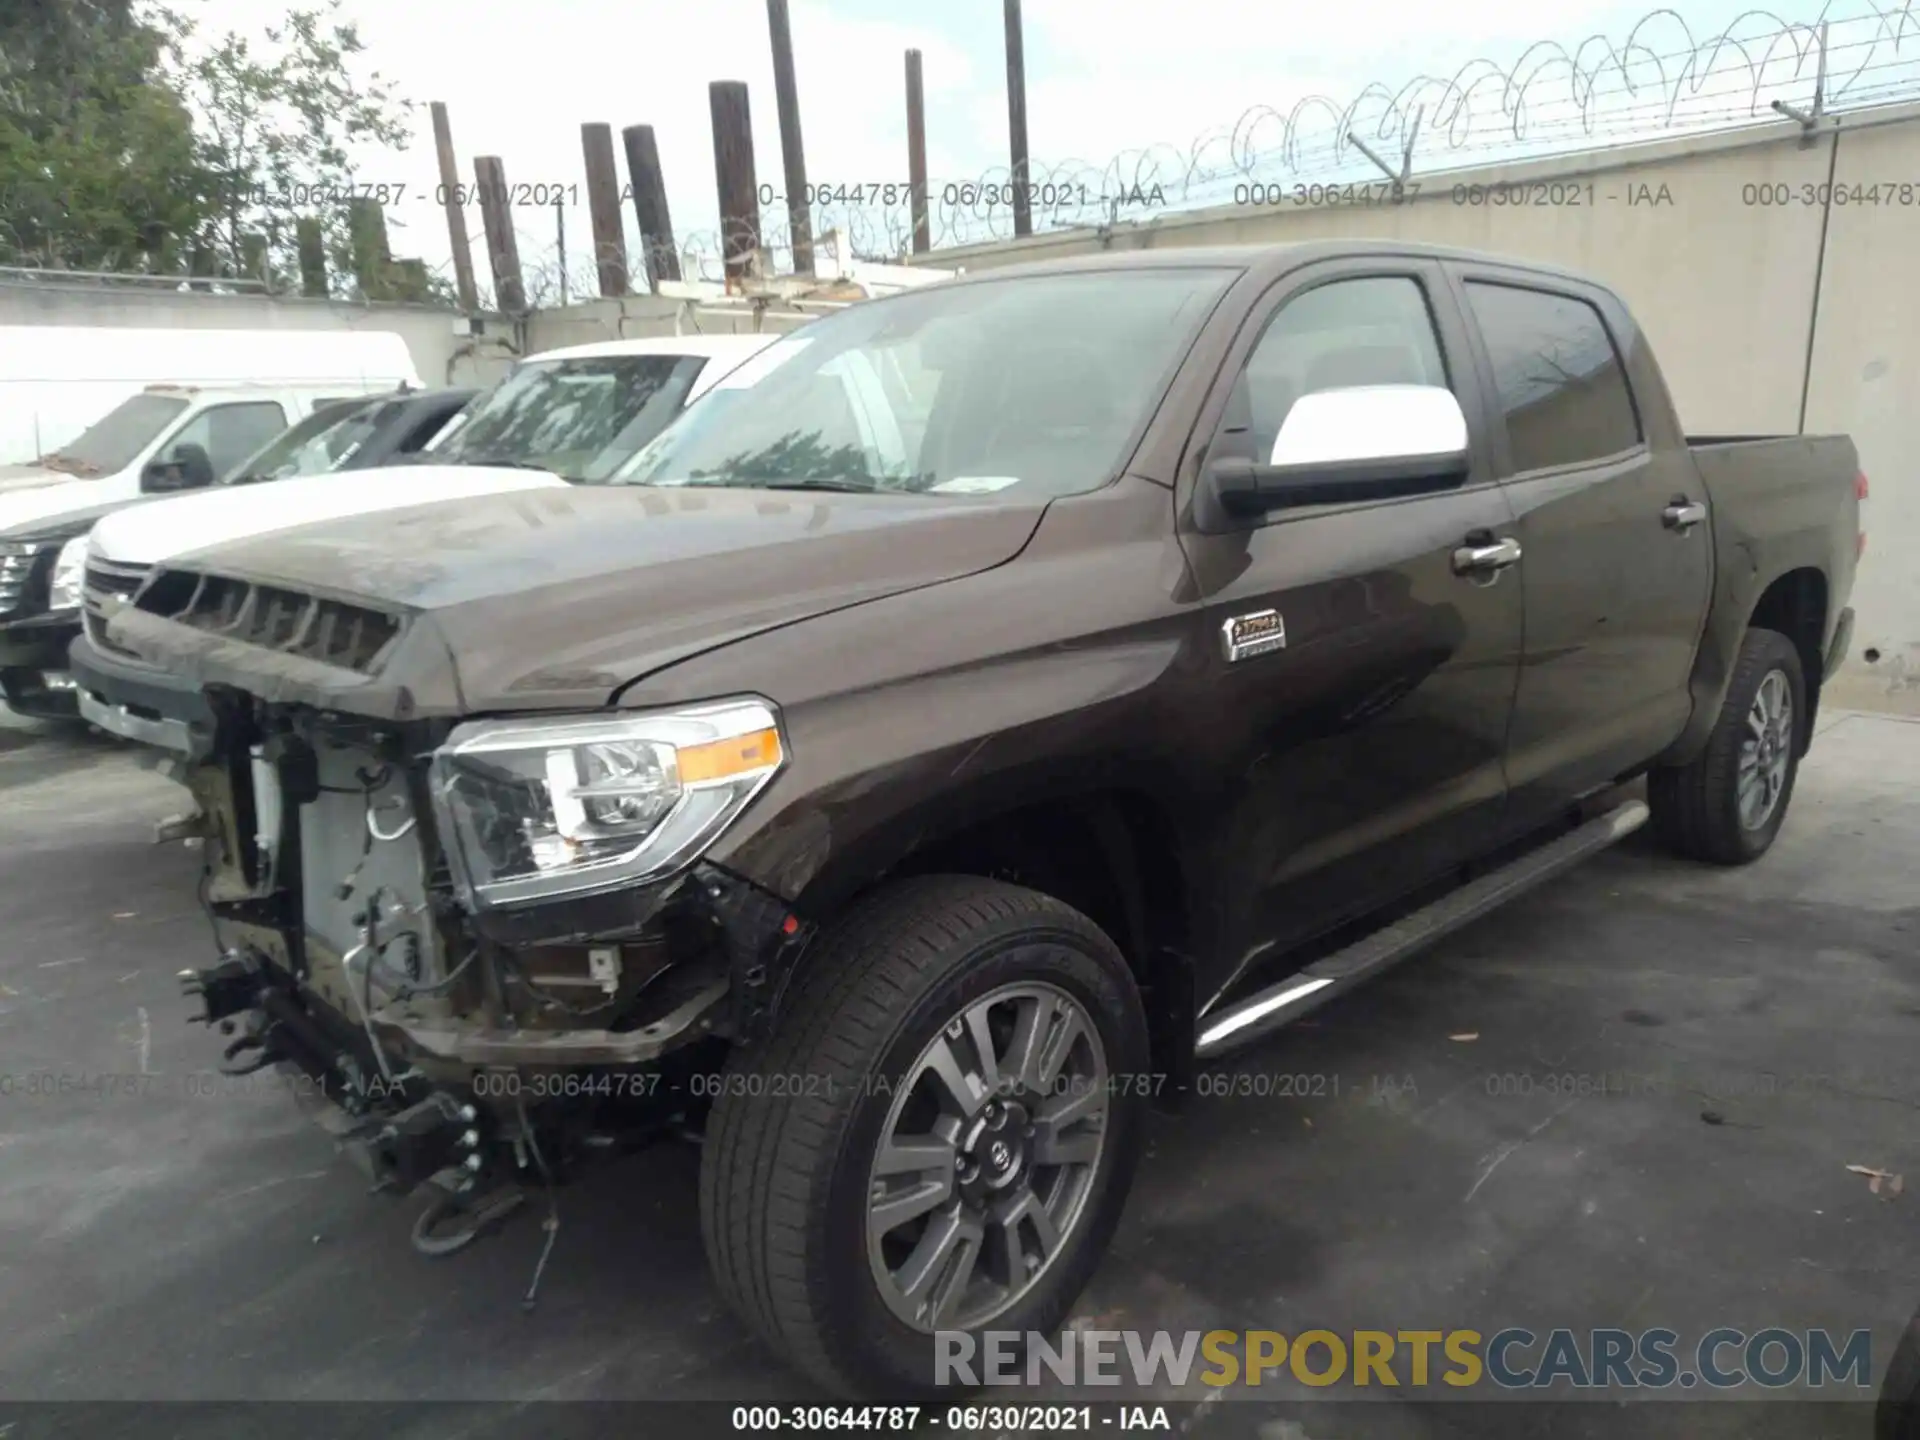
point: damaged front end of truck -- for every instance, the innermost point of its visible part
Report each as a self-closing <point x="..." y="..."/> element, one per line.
<point x="488" y="943"/>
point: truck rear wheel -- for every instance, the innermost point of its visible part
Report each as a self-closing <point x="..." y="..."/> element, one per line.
<point x="1727" y="806"/>
<point x="938" y="1136"/>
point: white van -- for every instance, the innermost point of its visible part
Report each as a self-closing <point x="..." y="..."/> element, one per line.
<point x="572" y="416"/>
<point x="94" y="405"/>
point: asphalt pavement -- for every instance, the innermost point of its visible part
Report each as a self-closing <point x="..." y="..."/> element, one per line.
<point x="1630" y="1100"/>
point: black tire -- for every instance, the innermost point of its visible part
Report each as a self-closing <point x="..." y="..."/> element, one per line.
<point x="785" y="1171"/>
<point x="1896" y="1416"/>
<point x="1696" y="807"/>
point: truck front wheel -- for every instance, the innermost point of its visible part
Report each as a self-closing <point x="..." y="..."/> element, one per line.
<point x="938" y="1136"/>
<point x="1727" y="806"/>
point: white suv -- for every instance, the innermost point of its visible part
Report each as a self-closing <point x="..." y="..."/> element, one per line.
<point x="572" y="416"/>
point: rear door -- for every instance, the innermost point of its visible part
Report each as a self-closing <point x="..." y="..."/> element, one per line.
<point x="1616" y="591"/>
<point x="1368" y="746"/>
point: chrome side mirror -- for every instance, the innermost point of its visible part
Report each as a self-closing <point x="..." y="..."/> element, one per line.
<point x="1366" y="442"/>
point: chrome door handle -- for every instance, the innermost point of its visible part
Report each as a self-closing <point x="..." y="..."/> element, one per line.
<point x="1479" y="559"/>
<point x="1683" y="514"/>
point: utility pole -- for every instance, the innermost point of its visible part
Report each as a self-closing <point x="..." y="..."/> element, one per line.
<point x="917" y="153"/>
<point x="1017" y="119"/>
<point x="793" y="155"/>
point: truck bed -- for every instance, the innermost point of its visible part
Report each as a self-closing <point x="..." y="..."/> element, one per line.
<point x="1791" y="491"/>
<point x="1780" y="505"/>
<point x="1699" y="441"/>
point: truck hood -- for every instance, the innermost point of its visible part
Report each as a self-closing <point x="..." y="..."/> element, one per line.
<point x="33" y="477"/>
<point x="560" y="598"/>
<point x="55" y="513"/>
<point x="157" y="530"/>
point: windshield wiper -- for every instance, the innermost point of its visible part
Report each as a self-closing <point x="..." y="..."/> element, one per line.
<point x="844" y="487"/>
<point x="503" y="461"/>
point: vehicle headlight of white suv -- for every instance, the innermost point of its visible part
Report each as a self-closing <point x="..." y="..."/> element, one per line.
<point x="69" y="575"/>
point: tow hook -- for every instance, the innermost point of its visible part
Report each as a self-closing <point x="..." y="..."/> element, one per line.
<point x="464" y="1221"/>
<point x="259" y="1050"/>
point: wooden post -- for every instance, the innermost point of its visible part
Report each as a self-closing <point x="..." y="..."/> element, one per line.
<point x="452" y="197"/>
<point x="603" y="207"/>
<point x="917" y="153"/>
<point x="312" y="245"/>
<point x="1017" y="119"/>
<point x="733" y="174"/>
<point x="503" y="250"/>
<point x="407" y="280"/>
<point x="253" y="253"/>
<point x="649" y="189"/>
<point x="787" y="99"/>
<point x="367" y="233"/>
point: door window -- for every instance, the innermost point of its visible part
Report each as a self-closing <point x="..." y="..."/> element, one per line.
<point x="230" y="433"/>
<point x="321" y="443"/>
<point x="1557" y="376"/>
<point x="431" y="424"/>
<point x="1370" y="330"/>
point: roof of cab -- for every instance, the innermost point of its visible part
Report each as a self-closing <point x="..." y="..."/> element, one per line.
<point x="1270" y="258"/>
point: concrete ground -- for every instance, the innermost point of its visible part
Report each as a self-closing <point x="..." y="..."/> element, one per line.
<point x="158" y="1243"/>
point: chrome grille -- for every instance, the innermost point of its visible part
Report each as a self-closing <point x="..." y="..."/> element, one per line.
<point x="17" y="561"/>
<point x="109" y="586"/>
<point x="332" y="632"/>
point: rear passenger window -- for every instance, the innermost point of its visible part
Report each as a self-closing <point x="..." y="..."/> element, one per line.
<point x="1374" y="330"/>
<point x="1557" y="376"/>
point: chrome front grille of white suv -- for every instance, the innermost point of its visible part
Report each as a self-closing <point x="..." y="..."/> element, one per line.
<point x="17" y="561"/>
<point x="110" y="585"/>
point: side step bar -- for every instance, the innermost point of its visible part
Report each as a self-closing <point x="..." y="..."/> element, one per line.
<point x="1386" y="947"/>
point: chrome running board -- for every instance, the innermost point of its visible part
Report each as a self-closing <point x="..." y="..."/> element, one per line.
<point x="1309" y="989"/>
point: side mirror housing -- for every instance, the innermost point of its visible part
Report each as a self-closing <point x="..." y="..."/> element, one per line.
<point x="185" y="467"/>
<point x="1369" y="442"/>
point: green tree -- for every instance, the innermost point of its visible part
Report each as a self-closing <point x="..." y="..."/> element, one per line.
<point x="277" y="118"/>
<point x="130" y="142"/>
<point x="99" y="164"/>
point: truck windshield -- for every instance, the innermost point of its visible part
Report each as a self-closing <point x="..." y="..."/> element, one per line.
<point x="1035" y="384"/>
<point x="322" y="442"/>
<point x="581" y="419"/>
<point x="113" y="441"/>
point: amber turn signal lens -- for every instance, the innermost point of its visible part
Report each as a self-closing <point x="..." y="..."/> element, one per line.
<point x="724" y="759"/>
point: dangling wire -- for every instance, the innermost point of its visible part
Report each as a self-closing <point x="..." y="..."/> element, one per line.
<point x="552" y="1223"/>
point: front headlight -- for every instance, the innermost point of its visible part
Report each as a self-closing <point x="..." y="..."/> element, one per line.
<point x="69" y="575"/>
<point x="537" y="809"/>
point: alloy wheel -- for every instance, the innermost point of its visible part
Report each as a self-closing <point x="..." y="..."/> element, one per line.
<point x="1765" y="751"/>
<point x="987" y="1157"/>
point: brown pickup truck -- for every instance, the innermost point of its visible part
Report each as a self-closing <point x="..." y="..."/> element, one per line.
<point x="987" y="705"/>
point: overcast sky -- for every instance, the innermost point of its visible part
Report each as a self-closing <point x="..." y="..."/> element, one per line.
<point x="1104" y="77"/>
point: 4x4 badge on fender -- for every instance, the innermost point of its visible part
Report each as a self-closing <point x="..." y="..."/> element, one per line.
<point x="1245" y="636"/>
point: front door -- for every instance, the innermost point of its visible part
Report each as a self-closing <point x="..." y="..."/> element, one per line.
<point x="1369" y="744"/>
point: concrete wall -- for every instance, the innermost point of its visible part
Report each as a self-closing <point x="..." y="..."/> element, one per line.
<point x="1744" y="305"/>
<point x="638" y="317"/>
<point x="1866" y="381"/>
<point x="440" y="354"/>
